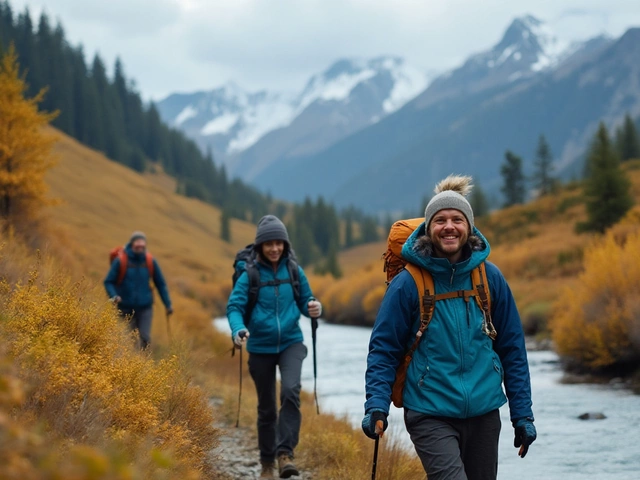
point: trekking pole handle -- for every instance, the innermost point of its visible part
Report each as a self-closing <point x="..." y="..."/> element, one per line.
<point x="242" y="334"/>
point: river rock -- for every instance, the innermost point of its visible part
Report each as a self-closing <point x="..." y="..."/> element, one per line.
<point x="592" y="416"/>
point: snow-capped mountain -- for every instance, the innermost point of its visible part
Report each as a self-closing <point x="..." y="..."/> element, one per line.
<point x="229" y="118"/>
<point x="528" y="47"/>
<point x="349" y="95"/>
<point x="529" y="83"/>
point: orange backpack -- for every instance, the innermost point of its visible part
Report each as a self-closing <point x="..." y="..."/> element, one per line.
<point x="394" y="264"/>
<point x="121" y="254"/>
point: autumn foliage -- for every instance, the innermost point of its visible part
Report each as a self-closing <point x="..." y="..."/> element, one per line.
<point x="75" y="378"/>
<point x="25" y="147"/>
<point x="597" y="321"/>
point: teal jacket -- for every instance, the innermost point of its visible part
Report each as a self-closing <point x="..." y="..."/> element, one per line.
<point x="457" y="370"/>
<point x="274" y="323"/>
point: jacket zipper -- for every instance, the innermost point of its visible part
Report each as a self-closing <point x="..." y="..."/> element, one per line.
<point x="461" y="349"/>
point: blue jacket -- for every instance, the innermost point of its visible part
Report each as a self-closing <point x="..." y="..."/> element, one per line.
<point x="274" y="323"/>
<point x="135" y="289"/>
<point x="457" y="371"/>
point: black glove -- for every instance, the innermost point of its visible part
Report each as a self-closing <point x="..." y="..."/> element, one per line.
<point x="525" y="435"/>
<point x="169" y="310"/>
<point x="369" y="423"/>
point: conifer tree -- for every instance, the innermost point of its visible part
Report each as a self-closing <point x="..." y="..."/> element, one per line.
<point x="25" y="149"/>
<point x="543" y="182"/>
<point x="479" y="201"/>
<point x="627" y="141"/>
<point x="513" y="186"/>
<point x="348" y="232"/>
<point x="607" y="189"/>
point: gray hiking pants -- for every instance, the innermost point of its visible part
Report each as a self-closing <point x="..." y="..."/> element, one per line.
<point x="454" y="448"/>
<point x="140" y="320"/>
<point x="278" y="433"/>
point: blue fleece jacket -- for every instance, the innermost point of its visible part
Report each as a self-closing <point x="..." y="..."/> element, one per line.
<point x="274" y="323"/>
<point x="135" y="289"/>
<point x="457" y="370"/>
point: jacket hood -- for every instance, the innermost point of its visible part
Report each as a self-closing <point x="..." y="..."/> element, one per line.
<point x="418" y="250"/>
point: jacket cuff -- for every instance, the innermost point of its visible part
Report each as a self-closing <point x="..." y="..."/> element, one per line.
<point x="376" y="405"/>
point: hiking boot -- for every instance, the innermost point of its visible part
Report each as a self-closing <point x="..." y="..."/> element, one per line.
<point x="286" y="466"/>
<point x="268" y="469"/>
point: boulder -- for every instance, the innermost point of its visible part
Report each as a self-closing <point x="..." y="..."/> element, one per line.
<point x="592" y="416"/>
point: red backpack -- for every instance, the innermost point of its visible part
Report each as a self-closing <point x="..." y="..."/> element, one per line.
<point x="121" y="254"/>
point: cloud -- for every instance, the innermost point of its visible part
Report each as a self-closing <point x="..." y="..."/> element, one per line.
<point x="184" y="45"/>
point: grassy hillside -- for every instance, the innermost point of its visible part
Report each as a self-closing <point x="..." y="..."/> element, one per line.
<point x="102" y="202"/>
<point x="535" y="246"/>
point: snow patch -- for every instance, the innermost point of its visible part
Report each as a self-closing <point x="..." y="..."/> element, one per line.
<point x="552" y="48"/>
<point x="506" y="53"/>
<point x="187" y="112"/>
<point x="408" y="83"/>
<point x="259" y="120"/>
<point x="336" y="89"/>
<point x="220" y="125"/>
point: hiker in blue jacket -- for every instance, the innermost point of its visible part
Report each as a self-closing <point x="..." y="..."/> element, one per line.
<point x="133" y="294"/>
<point x="453" y="387"/>
<point x="273" y="338"/>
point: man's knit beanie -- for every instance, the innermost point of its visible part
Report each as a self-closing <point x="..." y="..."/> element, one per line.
<point x="451" y="193"/>
<point x="137" y="235"/>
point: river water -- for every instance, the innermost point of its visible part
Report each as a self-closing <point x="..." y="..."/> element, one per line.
<point x="567" y="448"/>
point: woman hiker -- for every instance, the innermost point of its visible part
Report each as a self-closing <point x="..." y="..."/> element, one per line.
<point x="273" y="338"/>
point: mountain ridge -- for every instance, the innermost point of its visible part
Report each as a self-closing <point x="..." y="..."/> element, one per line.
<point x="350" y="94"/>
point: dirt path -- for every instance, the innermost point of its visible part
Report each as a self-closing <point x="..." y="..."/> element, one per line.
<point x="237" y="456"/>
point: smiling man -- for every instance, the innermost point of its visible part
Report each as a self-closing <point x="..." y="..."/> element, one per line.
<point x="459" y="356"/>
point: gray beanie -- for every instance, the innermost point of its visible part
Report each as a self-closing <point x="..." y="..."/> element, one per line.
<point x="137" y="235"/>
<point x="271" y="227"/>
<point x="450" y="193"/>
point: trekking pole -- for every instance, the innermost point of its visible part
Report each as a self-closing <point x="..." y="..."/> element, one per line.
<point x="242" y="335"/>
<point x="168" y="326"/>
<point x="380" y="432"/>
<point x="314" y="328"/>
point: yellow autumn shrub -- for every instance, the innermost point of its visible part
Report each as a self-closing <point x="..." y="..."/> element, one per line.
<point x="93" y="393"/>
<point x="596" y="323"/>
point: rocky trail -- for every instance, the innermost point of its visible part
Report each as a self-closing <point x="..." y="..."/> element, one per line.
<point x="237" y="456"/>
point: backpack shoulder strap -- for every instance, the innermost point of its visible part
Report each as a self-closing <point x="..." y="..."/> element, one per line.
<point x="150" y="266"/>
<point x="294" y="275"/>
<point x="254" y="288"/>
<point x="427" y="297"/>
<point x="124" y="260"/>
<point x="483" y="298"/>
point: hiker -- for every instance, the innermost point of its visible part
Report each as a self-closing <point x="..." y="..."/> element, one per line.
<point x="273" y="338"/>
<point x="453" y="385"/>
<point x="129" y="286"/>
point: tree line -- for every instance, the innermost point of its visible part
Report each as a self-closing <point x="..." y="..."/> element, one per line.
<point x="607" y="190"/>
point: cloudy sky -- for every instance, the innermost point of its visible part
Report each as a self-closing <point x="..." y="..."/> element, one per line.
<point x="186" y="45"/>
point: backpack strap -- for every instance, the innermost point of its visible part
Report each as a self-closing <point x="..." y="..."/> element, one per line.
<point x="150" y="266"/>
<point x="254" y="289"/>
<point x="294" y="275"/>
<point x="124" y="261"/>
<point x="483" y="299"/>
<point x="426" y="293"/>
